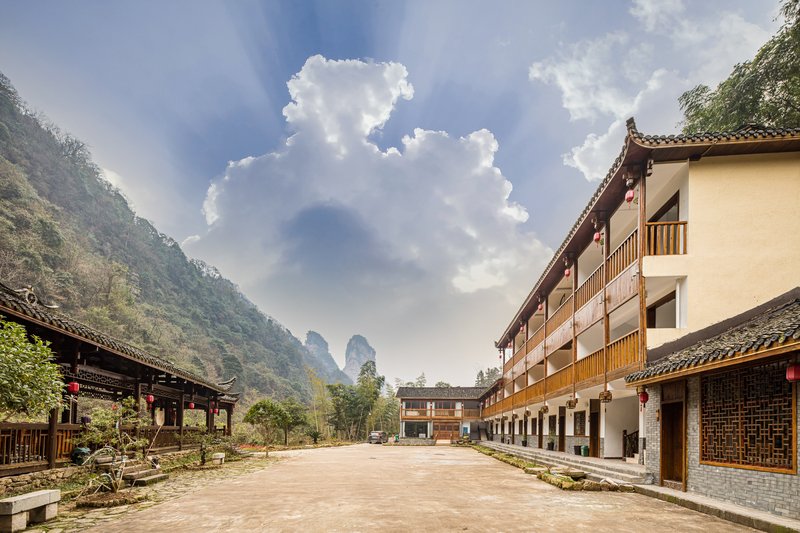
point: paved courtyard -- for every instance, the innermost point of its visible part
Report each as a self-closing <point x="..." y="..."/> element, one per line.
<point x="371" y="488"/>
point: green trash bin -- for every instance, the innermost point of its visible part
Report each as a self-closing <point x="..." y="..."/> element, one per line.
<point x="585" y="451"/>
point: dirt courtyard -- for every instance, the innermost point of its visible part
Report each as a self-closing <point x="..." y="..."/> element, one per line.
<point x="393" y="488"/>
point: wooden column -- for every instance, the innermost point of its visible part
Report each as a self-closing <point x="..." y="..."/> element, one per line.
<point x="546" y="312"/>
<point x="181" y="403"/>
<point x="229" y="410"/>
<point x="606" y="330"/>
<point x="52" y="436"/>
<point x="642" y="250"/>
<point x="574" y="309"/>
<point x="137" y="392"/>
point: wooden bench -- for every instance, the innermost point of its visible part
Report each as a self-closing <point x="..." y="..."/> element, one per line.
<point x="39" y="506"/>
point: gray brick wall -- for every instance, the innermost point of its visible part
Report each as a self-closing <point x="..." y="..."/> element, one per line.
<point x="776" y="493"/>
<point x="766" y="491"/>
<point x="652" y="433"/>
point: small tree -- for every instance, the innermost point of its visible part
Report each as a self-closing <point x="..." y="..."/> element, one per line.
<point x="112" y="431"/>
<point x="264" y="416"/>
<point x="30" y="383"/>
<point x="292" y="415"/>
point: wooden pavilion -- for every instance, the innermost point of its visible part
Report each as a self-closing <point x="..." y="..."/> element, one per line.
<point x="96" y="365"/>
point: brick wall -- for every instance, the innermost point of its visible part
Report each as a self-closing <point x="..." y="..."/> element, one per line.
<point x="776" y="493"/>
<point x="766" y="491"/>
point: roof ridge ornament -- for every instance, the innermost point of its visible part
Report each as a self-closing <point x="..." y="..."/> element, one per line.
<point x="29" y="295"/>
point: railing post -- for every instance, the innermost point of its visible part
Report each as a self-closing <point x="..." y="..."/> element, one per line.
<point x="52" y="435"/>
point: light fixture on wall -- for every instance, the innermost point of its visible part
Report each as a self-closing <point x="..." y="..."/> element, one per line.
<point x="606" y="396"/>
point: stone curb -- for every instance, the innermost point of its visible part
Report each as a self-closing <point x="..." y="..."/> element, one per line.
<point x="741" y="516"/>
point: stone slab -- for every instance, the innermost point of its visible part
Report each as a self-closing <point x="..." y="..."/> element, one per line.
<point x="26" y="502"/>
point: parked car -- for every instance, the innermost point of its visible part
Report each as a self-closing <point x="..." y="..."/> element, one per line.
<point x="378" y="437"/>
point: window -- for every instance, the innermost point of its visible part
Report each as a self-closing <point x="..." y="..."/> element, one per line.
<point x="580" y="424"/>
<point x="746" y="418"/>
<point x="416" y="404"/>
<point x="445" y="405"/>
<point x="662" y="314"/>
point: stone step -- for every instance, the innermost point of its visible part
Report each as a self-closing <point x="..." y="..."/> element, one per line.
<point x="594" y="471"/>
<point x="149" y="480"/>
<point x="139" y="474"/>
<point x="443" y="442"/>
<point x="568" y="460"/>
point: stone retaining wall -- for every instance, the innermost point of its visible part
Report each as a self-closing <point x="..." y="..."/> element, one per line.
<point x="35" y="480"/>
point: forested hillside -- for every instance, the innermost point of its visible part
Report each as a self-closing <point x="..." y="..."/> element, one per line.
<point x="71" y="235"/>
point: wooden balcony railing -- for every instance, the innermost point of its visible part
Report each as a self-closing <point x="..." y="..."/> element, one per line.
<point x="472" y="413"/>
<point x="623" y="256"/>
<point x="666" y="238"/>
<point x="535" y="340"/>
<point x="589" y="367"/>
<point x="561" y="315"/>
<point x="589" y="288"/>
<point x="624" y="351"/>
<point x="535" y="392"/>
<point x="415" y="413"/>
<point x="560" y="379"/>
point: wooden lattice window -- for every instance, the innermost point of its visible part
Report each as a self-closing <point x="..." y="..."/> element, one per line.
<point x="747" y="418"/>
<point x="580" y="423"/>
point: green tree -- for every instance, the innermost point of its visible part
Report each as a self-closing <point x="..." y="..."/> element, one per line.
<point x="764" y="90"/>
<point x="291" y="415"/>
<point x="421" y="380"/>
<point x="442" y="384"/>
<point x="264" y="416"/>
<point x="487" y="377"/>
<point x="30" y="383"/>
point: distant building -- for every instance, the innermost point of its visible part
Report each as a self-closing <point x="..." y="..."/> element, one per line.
<point x="678" y="276"/>
<point x="440" y="413"/>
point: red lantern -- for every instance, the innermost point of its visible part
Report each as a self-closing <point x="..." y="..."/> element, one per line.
<point x="191" y="405"/>
<point x="629" y="196"/>
<point x="541" y="307"/>
<point x="150" y="398"/>
<point x="643" y="397"/>
<point x="793" y="372"/>
<point x="597" y="236"/>
<point x="216" y="411"/>
<point x="73" y="387"/>
<point x="566" y="272"/>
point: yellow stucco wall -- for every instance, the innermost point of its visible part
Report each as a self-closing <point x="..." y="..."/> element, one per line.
<point x="743" y="234"/>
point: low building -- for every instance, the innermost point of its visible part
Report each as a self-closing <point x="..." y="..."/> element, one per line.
<point x="722" y="404"/>
<point x="440" y="413"/>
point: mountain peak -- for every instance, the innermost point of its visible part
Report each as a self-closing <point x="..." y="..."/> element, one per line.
<point x="358" y="352"/>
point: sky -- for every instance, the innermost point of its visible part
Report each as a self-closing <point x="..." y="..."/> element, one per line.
<point x="399" y="170"/>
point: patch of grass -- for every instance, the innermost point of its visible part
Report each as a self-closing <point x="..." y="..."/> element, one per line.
<point x="513" y="460"/>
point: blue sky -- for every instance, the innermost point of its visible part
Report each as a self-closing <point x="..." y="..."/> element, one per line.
<point x="412" y="194"/>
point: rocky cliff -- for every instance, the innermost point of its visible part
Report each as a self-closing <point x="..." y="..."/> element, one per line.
<point x="358" y="352"/>
<point x="321" y="360"/>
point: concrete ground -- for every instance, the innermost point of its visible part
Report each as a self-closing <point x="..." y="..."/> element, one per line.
<point x="387" y="488"/>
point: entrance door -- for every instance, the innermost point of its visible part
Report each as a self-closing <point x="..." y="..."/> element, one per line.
<point x="673" y="436"/>
<point x="594" y="428"/>
<point x="541" y="429"/>
<point x="562" y="428"/>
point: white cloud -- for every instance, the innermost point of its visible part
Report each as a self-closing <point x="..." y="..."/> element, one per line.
<point x="588" y="87"/>
<point x="609" y="77"/>
<point x="119" y="183"/>
<point x="655" y="14"/>
<point x="353" y="228"/>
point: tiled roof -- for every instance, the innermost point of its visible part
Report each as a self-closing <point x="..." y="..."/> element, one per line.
<point x="441" y="393"/>
<point x="772" y="328"/>
<point x="638" y="147"/>
<point x="14" y="302"/>
<point x="747" y="132"/>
